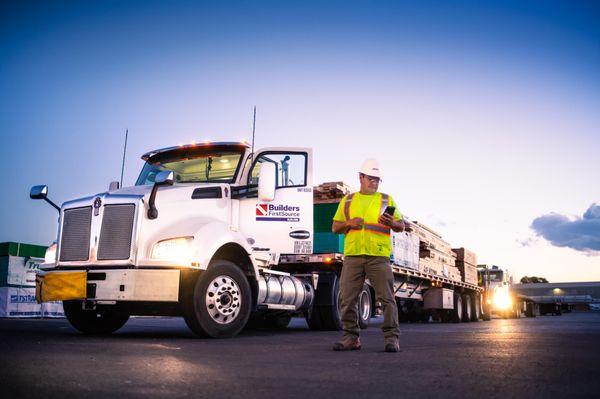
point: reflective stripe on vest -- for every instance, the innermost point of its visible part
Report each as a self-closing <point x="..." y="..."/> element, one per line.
<point x="347" y="206"/>
<point x="372" y="227"/>
<point x="377" y="228"/>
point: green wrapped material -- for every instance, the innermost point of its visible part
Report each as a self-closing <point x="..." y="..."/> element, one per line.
<point x="325" y="243"/>
<point x="323" y="217"/>
<point x="23" y="250"/>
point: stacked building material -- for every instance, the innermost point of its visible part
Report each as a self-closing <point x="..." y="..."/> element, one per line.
<point x="330" y="193"/>
<point x="466" y="262"/>
<point x="405" y="250"/>
<point x="18" y="266"/>
<point x="435" y="255"/>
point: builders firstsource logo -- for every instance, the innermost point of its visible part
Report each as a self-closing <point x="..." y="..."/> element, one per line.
<point x="277" y="213"/>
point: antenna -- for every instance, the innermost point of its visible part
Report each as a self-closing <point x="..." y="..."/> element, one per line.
<point x="253" y="130"/>
<point x="124" y="152"/>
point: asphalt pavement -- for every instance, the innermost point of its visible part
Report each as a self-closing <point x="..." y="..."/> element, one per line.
<point x="544" y="357"/>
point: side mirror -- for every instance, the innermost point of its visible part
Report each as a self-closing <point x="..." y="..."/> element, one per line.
<point x="267" y="181"/>
<point x="114" y="185"/>
<point x="41" y="192"/>
<point x="38" y="192"/>
<point x="164" y="178"/>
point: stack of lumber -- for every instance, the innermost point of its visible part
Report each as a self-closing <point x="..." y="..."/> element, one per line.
<point x="435" y="254"/>
<point x="466" y="262"/>
<point x="330" y="193"/>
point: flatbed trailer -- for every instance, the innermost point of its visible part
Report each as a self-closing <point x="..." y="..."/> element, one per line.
<point x="420" y="296"/>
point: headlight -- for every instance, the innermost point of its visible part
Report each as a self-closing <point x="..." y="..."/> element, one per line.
<point x="50" y="256"/>
<point x="175" y="249"/>
<point x="502" y="300"/>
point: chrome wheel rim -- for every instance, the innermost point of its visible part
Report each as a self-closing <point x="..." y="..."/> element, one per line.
<point x="223" y="299"/>
<point x="365" y="305"/>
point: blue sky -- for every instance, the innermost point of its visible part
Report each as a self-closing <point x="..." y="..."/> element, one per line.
<point x="484" y="114"/>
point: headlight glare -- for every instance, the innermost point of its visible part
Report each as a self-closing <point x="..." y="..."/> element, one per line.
<point x="174" y="249"/>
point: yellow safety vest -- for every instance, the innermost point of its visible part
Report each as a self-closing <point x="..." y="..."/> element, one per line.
<point x="374" y="238"/>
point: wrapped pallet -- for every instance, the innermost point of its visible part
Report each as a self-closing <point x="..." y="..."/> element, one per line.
<point x="18" y="266"/>
<point x="405" y="250"/>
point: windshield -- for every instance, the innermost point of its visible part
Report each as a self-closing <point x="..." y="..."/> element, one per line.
<point x="496" y="276"/>
<point x="193" y="165"/>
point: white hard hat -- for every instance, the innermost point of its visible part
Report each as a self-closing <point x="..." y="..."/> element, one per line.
<point x="370" y="167"/>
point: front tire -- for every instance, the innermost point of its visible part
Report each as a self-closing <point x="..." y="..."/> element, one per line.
<point x="219" y="304"/>
<point x="101" y="321"/>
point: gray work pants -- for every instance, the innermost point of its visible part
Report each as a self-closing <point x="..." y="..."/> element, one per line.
<point x="379" y="272"/>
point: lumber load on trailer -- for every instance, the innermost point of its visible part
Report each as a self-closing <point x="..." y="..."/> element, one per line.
<point x="435" y="254"/>
<point x="466" y="262"/>
<point x="330" y="192"/>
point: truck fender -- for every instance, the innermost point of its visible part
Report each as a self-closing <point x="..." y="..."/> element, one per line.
<point x="219" y="235"/>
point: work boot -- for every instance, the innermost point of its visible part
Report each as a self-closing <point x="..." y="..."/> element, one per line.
<point x="347" y="344"/>
<point x="392" y="347"/>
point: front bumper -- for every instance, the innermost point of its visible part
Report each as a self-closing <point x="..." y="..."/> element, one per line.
<point x="108" y="285"/>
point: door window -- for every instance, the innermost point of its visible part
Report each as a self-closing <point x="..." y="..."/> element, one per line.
<point x="290" y="166"/>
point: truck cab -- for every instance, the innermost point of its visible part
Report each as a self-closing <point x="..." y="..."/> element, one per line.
<point x="196" y="236"/>
<point x="499" y="297"/>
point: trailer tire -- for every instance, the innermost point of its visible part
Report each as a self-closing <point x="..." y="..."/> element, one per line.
<point x="219" y="304"/>
<point x="365" y="307"/>
<point x="100" y="322"/>
<point x="326" y="316"/>
<point x="530" y="309"/>
<point x="467" y="308"/>
<point x="476" y="303"/>
<point x="456" y="314"/>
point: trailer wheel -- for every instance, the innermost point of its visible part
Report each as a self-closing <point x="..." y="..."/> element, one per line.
<point x="219" y="305"/>
<point x="476" y="305"/>
<point x="529" y="309"/>
<point x="365" y="307"/>
<point x="325" y="313"/>
<point x="101" y="321"/>
<point x="467" y="308"/>
<point x="456" y="314"/>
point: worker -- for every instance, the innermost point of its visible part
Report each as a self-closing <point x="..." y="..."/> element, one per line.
<point x="361" y="217"/>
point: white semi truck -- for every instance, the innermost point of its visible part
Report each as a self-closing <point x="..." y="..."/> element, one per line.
<point x="221" y="236"/>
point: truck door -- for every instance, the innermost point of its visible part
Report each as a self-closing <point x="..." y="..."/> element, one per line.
<point x="284" y="225"/>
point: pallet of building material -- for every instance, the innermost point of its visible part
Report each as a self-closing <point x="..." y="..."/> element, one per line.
<point x="405" y="250"/>
<point x="468" y="272"/>
<point x="465" y="255"/>
<point x="442" y="257"/>
<point x="427" y="265"/>
<point x="453" y="273"/>
<point x="330" y="192"/>
<point x="429" y="238"/>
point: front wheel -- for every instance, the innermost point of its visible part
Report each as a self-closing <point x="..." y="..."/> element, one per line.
<point x="219" y="305"/>
<point x="97" y="321"/>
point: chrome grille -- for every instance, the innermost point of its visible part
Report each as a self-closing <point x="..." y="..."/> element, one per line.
<point x="75" y="241"/>
<point x="116" y="231"/>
